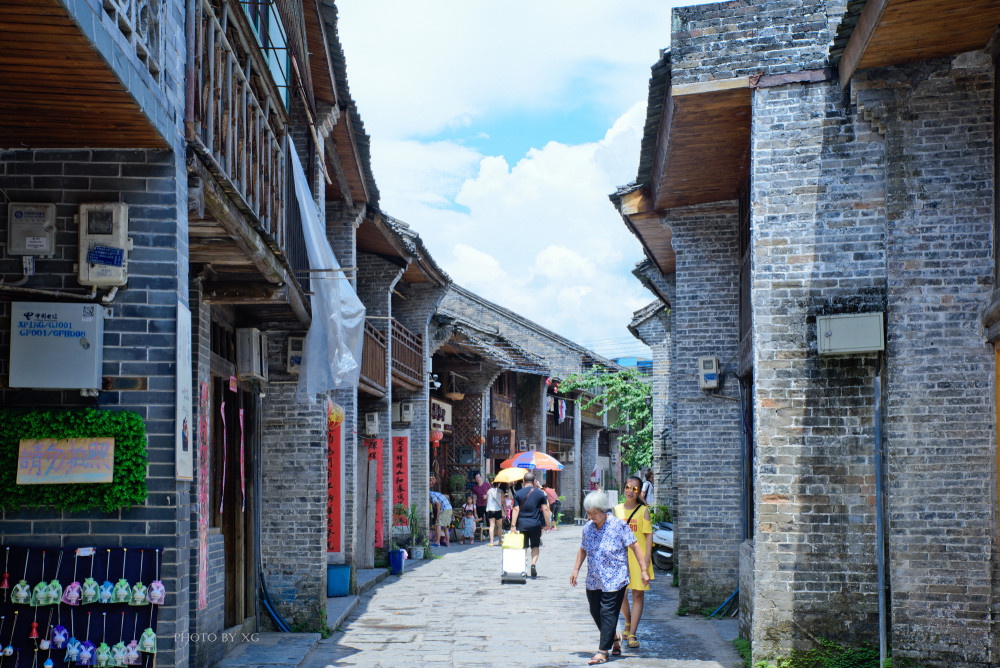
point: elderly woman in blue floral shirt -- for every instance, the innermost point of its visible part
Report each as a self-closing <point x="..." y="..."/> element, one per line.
<point x="605" y="546"/>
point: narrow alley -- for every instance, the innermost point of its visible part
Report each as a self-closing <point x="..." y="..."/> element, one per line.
<point x="454" y="611"/>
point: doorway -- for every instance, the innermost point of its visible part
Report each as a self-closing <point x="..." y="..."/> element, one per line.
<point x="234" y="439"/>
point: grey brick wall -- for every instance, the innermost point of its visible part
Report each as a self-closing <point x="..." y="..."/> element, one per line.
<point x="588" y="461"/>
<point x="655" y="332"/>
<point x="727" y="40"/>
<point x="706" y="528"/>
<point x="139" y="343"/>
<point x="941" y="475"/>
<point x="294" y="495"/>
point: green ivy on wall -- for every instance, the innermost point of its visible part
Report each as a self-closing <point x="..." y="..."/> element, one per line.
<point x="128" y="486"/>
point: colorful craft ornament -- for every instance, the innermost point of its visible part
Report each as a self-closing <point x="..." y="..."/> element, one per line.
<point x="106" y="591"/>
<point x="72" y="645"/>
<point x="40" y="593"/>
<point x="71" y="595"/>
<point x="147" y="641"/>
<point x="59" y="636"/>
<point x="123" y="591"/>
<point x="54" y="591"/>
<point x="89" y="592"/>
<point x="102" y="656"/>
<point x="21" y="593"/>
<point x="48" y="663"/>
<point x="157" y="592"/>
<point x="9" y="649"/>
<point x="118" y="650"/>
<point x="44" y="643"/>
<point x="5" y="582"/>
<point x="87" y="648"/>
<point x="132" y="657"/>
<point x="34" y="631"/>
<point x="140" y="595"/>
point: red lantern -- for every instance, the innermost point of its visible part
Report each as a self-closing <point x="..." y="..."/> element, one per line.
<point x="436" y="435"/>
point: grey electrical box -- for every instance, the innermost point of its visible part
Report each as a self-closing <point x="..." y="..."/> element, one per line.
<point x="56" y="346"/>
<point x="31" y="229"/>
<point x="850" y="333"/>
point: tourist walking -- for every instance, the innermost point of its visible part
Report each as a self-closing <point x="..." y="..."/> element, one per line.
<point x="606" y="541"/>
<point x="635" y="514"/>
<point x="530" y="505"/>
<point x="442" y="516"/>
<point x="494" y="514"/>
<point x="480" y="489"/>
<point x="646" y="493"/>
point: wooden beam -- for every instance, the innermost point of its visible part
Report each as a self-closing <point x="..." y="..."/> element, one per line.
<point x="239" y="292"/>
<point x="710" y="86"/>
<point x="861" y="36"/>
<point x="636" y="202"/>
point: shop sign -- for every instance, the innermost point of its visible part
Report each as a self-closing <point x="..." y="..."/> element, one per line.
<point x="69" y="460"/>
<point x="440" y="415"/>
<point x="498" y="443"/>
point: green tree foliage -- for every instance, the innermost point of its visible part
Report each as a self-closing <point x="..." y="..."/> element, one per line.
<point x="630" y="394"/>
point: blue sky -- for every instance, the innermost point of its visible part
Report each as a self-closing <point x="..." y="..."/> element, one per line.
<point x="498" y="131"/>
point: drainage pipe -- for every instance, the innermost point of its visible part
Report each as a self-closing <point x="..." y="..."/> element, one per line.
<point x="879" y="516"/>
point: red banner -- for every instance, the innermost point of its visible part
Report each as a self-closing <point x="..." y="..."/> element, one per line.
<point x="374" y="446"/>
<point x="203" y="413"/>
<point x="334" y="416"/>
<point x="400" y="471"/>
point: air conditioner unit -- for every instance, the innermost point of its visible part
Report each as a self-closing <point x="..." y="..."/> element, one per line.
<point x="402" y="411"/>
<point x="295" y="348"/>
<point x="569" y="457"/>
<point x="371" y="424"/>
<point x="251" y="354"/>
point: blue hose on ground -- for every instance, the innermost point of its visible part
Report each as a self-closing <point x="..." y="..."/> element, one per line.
<point x="725" y="603"/>
<point x="278" y="621"/>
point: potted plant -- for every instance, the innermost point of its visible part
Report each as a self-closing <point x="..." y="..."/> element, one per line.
<point x="416" y="545"/>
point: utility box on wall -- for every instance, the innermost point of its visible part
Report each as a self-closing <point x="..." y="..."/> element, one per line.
<point x="850" y="333"/>
<point x="56" y="346"/>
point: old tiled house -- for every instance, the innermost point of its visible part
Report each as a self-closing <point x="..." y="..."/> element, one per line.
<point x="817" y="192"/>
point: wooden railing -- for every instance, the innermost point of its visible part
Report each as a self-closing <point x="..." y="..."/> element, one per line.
<point x="555" y="430"/>
<point x="373" y="358"/>
<point x="236" y="115"/>
<point x="407" y="355"/>
<point x="593" y="413"/>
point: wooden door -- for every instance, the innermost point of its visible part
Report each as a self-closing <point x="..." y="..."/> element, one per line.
<point x="232" y="498"/>
<point x="368" y="475"/>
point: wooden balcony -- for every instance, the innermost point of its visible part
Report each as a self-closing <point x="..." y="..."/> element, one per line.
<point x="235" y="115"/>
<point x="373" y="371"/>
<point x="407" y="358"/>
<point x="556" y="431"/>
<point x="592" y="415"/>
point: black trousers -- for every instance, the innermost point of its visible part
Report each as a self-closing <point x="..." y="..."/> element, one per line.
<point x="604" y="608"/>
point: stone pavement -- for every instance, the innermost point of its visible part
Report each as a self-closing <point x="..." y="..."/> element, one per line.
<point x="454" y="611"/>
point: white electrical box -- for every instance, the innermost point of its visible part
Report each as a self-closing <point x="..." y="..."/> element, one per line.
<point x="708" y="373"/>
<point x="56" y="346"/>
<point x="402" y="411"/>
<point x="251" y="354"/>
<point x="31" y="229"/>
<point x="296" y="347"/>
<point x="850" y="333"/>
<point x="104" y="244"/>
<point x="371" y="424"/>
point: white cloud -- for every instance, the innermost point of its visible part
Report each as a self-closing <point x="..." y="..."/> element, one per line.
<point x="536" y="234"/>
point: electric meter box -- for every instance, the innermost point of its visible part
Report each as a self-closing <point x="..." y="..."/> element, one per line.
<point x="708" y="373"/>
<point x="56" y="346"/>
<point x="104" y="244"/>
<point x="31" y="229"/>
<point x="850" y="333"/>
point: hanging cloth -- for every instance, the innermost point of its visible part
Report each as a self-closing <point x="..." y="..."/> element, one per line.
<point x="332" y="355"/>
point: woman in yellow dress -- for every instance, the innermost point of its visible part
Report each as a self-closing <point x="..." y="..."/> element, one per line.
<point x="635" y="513"/>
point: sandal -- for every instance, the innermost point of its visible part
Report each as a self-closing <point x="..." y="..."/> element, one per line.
<point x="633" y="642"/>
<point x="599" y="657"/>
<point x="616" y="649"/>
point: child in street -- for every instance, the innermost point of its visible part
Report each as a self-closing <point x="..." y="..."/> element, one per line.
<point x="468" y="525"/>
<point x="470" y="504"/>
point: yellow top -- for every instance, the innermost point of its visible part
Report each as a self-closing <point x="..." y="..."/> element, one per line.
<point x="643" y="530"/>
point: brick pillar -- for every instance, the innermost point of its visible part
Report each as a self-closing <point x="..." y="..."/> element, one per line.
<point x="706" y="530"/>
